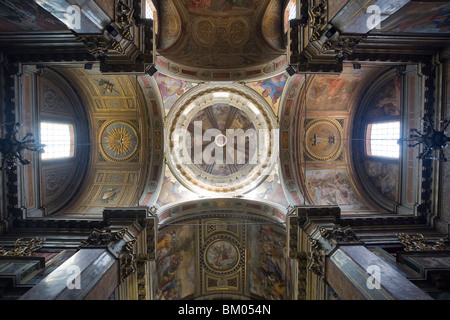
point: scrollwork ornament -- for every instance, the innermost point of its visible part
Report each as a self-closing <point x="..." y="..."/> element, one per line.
<point x="128" y="264"/>
<point x="418" y="242"/>
<point x="23" y="248"/>
<point x="103" y="237"/>
<point x="339" y="234"/>
<point x="316" y="258"/>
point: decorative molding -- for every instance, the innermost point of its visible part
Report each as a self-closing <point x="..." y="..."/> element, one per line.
<point x="318" y="19"/>
<point x="23" y="248"/>
<point x="418" y="242"/>
<point x="302" y="272"/>
<point x="128" y="260"/>
<point x="342" y="46"/>
<point x="382" y="221"/>
<point x="125" y="19"/>
<point x="142" y="274"/>
<point x="316" y="258"/>
<point x="54" y="180"/>
<point x="103" y="238"/>
<point x="292" y="235"/>
<point x="99" y="45"/>
<point x="339" y="234"/>
<point x="59" y="224"/>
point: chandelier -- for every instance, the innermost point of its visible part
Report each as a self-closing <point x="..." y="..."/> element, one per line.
<point x="433" y="142"/>
<point x="12" y="147"/>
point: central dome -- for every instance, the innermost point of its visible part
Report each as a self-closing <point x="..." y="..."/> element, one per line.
<point x="225" y="118"/>
<point x="222" y="139"/>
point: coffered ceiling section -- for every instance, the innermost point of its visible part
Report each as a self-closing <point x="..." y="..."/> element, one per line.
<point x="219" y="40"/>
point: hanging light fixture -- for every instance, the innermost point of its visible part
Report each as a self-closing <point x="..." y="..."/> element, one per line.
<point x="11" y="147"/>
<point x="433" y="142"/>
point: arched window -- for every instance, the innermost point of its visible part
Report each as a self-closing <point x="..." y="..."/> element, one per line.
<point x="59" y="140"/>
<point x="292" y="7"/>
<point x="382" y="139"/>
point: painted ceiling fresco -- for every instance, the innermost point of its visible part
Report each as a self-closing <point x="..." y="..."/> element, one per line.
<point x="26" y="16"/>
<point x="222" y="117"/>
<point x="223" y="35"/>
<point x="320" y="113"/>
<point x="235" y="253"/>
<point x="420" y="17"/>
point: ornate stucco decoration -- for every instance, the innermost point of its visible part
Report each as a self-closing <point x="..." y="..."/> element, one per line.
<point x="324" y="241"/>
<point x="342" y="46"/>
<point x="324" y="139"/>
<point x="418" y="242"/>
<point x="100" y="238"/>
<point x="128" y="260"/>
<point x="316" y="258"/>
<point x="118" y="140"/>
<point x="126" y="43"/>
<point x="119" y="243"/>
<point x="98" y="45"/>
<point x="23" y="248"/>
<point x="339" y="234"/>
<point x="318" y="19"/>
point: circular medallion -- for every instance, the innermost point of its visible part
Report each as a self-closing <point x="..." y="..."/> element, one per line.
<point x="204" y="31"/>
<point x="118" y="140"/>
<point x="323" y="139"/>
<point x="221" y="256"/>
<point x="238" y="31"/>
<point x="221" y="140"/>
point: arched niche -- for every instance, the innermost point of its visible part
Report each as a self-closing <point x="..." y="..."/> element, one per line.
<point x="49" y="97"/>
<point x="223" y="247"/>
<point x="119" y="174"/>
<point x="378" y="175"/>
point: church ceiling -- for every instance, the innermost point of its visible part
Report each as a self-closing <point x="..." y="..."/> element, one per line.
<point x="230" y="165"/>
<point x="207" y="39"/>
<point x="132" y="122"/>
<point x="221" y="67"/>
<point x="268" y="91"/>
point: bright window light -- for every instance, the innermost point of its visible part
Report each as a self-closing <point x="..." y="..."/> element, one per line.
<point x="293" y="10"/>
<point x="149" y="9"/>
<point x="382" y="139"/>
<point x="58" y="139"/>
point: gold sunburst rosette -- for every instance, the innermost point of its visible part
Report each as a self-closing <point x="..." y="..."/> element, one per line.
<point x="119" y="140"/>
